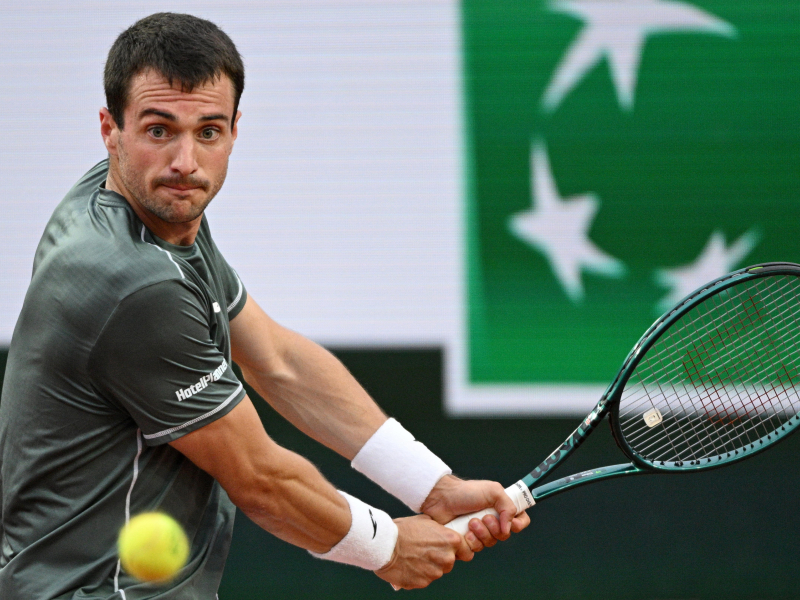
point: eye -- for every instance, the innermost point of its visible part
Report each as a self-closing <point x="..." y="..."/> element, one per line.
<point x="209" y="134"/>
<point x="158" y="132"/>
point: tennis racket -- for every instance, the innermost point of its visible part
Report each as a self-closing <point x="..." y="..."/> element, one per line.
<point x="713" y="381"/>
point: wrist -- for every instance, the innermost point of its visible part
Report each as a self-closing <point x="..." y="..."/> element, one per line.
<point x="439" y="492"/>
<point x="371" y="540"/>
<point x="398" y="463"/>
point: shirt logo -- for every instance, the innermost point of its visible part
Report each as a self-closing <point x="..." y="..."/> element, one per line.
<point x="203" y="383"/>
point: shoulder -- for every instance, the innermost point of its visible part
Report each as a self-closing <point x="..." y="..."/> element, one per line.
<point x="94" y="253"/>
<point x="94" y="231"/>
<point x="106" y="257"/>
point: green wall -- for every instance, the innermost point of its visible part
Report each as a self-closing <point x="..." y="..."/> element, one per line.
<point x="698" y="176"/>
<point x="729" y="534"/>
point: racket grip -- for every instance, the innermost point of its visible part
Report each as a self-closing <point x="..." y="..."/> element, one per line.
<point x="520" y="495"/>
<point x="461" y="524"/>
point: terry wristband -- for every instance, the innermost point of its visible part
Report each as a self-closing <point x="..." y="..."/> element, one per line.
<point x="398" y="463"/>
<point x="371" y="540"/>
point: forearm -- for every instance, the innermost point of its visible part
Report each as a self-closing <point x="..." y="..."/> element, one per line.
<point x="295" y="503"/>
<point x="280" y="490"/>
<point x="304" y="382"/>
<point x="285" y="494"/>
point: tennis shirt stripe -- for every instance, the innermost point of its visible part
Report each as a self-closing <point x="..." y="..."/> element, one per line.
<point x="139" y="448"/>
<point x="238" y="295"/>
<point x="227" y="401"/>
<point x="172" y="260"/>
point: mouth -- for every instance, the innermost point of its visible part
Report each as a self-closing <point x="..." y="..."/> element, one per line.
<point x="181" y="191"/>
<point x="181" y="188"/>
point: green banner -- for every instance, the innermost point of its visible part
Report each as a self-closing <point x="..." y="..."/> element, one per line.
<point x="620" y="153"/>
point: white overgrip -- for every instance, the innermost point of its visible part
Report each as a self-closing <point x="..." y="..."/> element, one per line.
<point x="520" y="495"/>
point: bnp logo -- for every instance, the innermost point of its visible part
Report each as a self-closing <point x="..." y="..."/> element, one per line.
<point x="617" y="30"/>
<point x="621" y="153"/>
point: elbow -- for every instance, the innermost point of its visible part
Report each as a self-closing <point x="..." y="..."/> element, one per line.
<point x="270" y="377"/>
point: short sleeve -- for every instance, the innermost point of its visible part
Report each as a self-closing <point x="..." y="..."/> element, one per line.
<point x="157" y="359"/>
<point x="235" y="292"/>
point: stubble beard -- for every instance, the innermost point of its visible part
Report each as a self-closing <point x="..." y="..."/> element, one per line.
<point x="167" y="211"/>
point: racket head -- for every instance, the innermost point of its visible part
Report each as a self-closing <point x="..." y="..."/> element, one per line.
<point x="717" y="378"/>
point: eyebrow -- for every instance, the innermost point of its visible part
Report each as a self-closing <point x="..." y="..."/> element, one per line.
<point x="158" y="113"/>
<point x="171" y="117"/>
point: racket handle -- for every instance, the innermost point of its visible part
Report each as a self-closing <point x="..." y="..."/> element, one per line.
<point x="461" y="524"/>
<point x="520" y="495"/>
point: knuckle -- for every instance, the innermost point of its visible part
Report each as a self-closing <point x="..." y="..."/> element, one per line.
<point x="518" y="525"/>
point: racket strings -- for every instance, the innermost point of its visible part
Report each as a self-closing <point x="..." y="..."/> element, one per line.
<point x="723" y="377"/>
<point x="682" y="365"/>
<point x="715" y="412"/>
<point x="669" y="371"/>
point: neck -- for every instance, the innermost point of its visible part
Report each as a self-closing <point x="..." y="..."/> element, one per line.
<point x="180" y="234"/>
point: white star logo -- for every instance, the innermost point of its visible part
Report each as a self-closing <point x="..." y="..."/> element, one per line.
<point x="559" y="228"/>
<point x="715" y="260"/>
<point x="618" y="29"/>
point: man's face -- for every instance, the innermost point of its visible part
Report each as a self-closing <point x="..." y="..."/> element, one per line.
<point x="171" y="158"/>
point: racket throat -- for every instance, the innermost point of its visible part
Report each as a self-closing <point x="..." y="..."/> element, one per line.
<point x="584" y="477"/>
<point x="577" y="438"/>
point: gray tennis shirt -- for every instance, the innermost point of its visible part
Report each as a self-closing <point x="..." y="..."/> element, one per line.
<point x="122" y="345"/>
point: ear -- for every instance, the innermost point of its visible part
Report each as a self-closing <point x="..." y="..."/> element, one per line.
<point x="235" y="129"/>
<point x="109" y="130"/>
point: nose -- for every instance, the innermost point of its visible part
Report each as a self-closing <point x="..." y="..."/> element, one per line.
<point x="184" y="160"/>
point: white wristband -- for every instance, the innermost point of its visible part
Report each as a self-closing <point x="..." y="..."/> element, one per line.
<point x="371" y="540"/>
<point x="399" y="464"/>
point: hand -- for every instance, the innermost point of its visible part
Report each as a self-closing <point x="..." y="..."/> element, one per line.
<point x="452" y="497"/>
<point x="424" y="552"/>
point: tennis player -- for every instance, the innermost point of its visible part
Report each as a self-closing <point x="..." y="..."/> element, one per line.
<point x="119" y="396"/>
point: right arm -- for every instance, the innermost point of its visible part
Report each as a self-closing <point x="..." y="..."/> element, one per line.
<point x="155" y="344"/>
<point x="285" y="494"/>
<point x="279" y="490"/>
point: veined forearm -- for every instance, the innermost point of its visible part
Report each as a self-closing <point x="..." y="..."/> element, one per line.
<point x="311" y="388"/>
<point x="304" y="382"/>
<point x="295" y="503"/>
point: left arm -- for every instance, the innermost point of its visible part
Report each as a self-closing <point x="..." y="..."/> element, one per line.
<point x="305" y="383"/>
<point x="313" y="390"/>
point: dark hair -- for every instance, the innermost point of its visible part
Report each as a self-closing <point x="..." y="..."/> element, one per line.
<point x="183" y="48"/>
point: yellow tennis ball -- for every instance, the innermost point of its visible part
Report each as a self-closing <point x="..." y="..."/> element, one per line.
<point x="153" y="547"/>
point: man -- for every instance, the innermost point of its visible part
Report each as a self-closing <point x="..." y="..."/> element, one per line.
<point x="119" y="395"/>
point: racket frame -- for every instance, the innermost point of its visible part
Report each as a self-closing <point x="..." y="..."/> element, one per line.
<point x="609" y="403"/>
